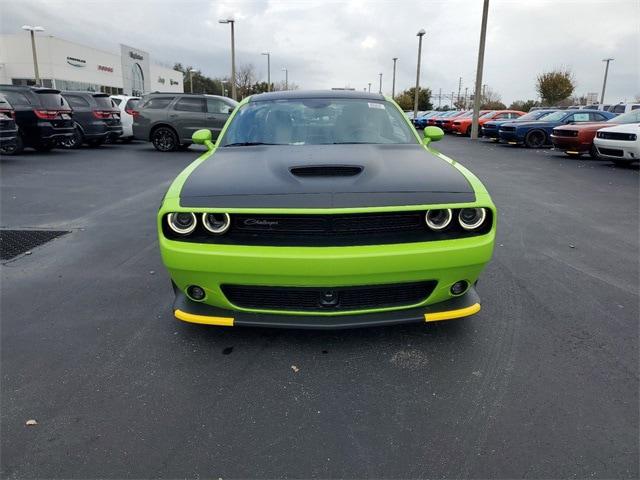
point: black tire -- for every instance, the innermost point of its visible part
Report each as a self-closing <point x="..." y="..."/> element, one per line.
<point x="95" y="143"/>
<point x="593" y="152"/>
<point x="535" y="139"/>
<point x="164" y="139"/>
<point x="14" y="149"/>
<point x="468" y="133"/>
<point x="73" y="142"/>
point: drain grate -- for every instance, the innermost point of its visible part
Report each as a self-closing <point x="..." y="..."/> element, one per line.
<point x="15" y="242"/>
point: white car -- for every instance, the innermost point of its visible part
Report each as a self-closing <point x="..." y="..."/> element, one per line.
<point x="621" y="143"/>
<point x="624" y="107"/>
<point x="126" y="105"/>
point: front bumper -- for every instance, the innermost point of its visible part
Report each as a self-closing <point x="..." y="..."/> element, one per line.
<point x="194" y="312"/>
<point x="570" y="144"/>
<point x="618" y="149"/>
<point x="510" y="137"/>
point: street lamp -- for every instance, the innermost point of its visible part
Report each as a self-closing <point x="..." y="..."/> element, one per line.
<point x="233" y="56"/>
<point x="191" y="70"/>
<point x="380" y="87"/>
<point x="268" y="54"/>
<point x="286" y="78"/>
<point x="480" y="66"/>
<point x="393" y="85"/>
<point x="420" y="34"/>
<point x="32" y="30"/>
<point x="604" y="84"/>
<point x="369" y="87"/>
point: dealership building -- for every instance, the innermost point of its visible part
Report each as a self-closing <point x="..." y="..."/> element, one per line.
<point x="71" y="66"/>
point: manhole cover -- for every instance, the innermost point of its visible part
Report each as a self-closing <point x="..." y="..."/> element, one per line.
<point x="15" y="242"/>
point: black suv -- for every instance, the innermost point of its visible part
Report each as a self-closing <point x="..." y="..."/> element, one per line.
<point x="169" y="119"/>
<point x="42" y="114"/>
<point x="8" y="129"/>
<point x="96" y="118"/>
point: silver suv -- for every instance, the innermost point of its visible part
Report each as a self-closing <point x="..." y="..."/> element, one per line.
<point x="169" y="119"/>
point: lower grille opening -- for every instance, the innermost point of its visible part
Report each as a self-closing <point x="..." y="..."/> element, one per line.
<point x="614" y="152"/>
<point x="326" y="299"/>
<point x="16" y="242"/>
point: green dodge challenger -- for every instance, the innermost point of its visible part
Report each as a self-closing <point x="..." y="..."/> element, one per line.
<point x="324" y="210"/>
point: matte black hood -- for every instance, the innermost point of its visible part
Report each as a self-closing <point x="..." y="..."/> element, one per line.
<point x="261" y="177"/>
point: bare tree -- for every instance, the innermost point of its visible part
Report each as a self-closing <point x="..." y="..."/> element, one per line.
<point x="245" y="78"/>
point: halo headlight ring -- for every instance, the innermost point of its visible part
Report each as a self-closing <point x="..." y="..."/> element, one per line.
<point x="216" y="229"/>
<point x="438" y="225"/>
<point x="181" y="229"/>
<point x="480" y="217"/>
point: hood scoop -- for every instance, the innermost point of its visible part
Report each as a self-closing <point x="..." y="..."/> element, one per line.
<point x="326" y="170"/>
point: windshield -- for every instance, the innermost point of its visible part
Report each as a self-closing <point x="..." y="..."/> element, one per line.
<point x="630" y="117"/>
<point x="104" y="102"/>
<point x="488" y="114"/>
<point x="317" y="121"/>
<point x="555" y="116"/>
<point x="535" y="115"/>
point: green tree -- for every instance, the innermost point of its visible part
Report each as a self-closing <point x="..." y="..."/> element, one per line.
<point x="524" y="105"/>
<point x="405" y="99"/>
<point x="555" y="86"/>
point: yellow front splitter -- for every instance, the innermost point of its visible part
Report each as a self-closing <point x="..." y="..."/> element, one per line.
<point x="452" y="314"/>
<point x="203" y="319"/>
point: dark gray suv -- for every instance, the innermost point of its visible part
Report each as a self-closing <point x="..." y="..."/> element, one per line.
<point x="169" y="119"/>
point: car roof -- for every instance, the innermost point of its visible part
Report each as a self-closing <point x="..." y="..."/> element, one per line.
<point x="296" y="94"/>
<point x="84" y="92"/>
<point x="6" y="86"/>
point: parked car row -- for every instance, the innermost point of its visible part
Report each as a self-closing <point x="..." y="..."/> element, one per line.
<point x="459" y="121"/>
<point x="45" y="118"/>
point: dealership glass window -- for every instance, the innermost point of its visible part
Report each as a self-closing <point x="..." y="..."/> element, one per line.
<point x="190" y="104"/>
<point x="31" y="82"/>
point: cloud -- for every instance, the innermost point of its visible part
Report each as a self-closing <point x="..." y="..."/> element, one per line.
<point x="328" y="43"/>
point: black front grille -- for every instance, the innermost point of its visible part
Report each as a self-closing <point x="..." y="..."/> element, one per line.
<point x="327" y="299"/>
<point x="329" y="230"/>
<point x="617" y="136"/>
<point x="565" y="133"/>
<point x="613" y="152"/>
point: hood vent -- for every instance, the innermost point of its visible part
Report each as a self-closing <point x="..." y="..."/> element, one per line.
<point x="326" y="170"/>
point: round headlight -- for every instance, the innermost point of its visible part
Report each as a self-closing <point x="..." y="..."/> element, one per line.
<point x="182" y="222"/>
<point x="472" y="218"/>
<point x="438" y="219"/>
<point x="217" y="223"/>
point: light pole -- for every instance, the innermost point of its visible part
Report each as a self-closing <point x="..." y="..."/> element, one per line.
<point x="393" y="84"/>
<point x="604" y="84"/>
<point x="32" y="30"/>
<point x="233" y="56"/>
<point x="191" y="70"/>
<point x="380" y="87"/>
<point x="369" y="87"/>
<point x="286" y="78"/>
<point x="420" y="34"/>
<point x="268" y="54"/>
<point x="476" y="98"/>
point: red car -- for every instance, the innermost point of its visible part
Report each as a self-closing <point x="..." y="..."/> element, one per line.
<point x="462" y="126"/>
<point x="577" y="139"/>
<point x="446" y="123"/>
<point x="432" y="120"/>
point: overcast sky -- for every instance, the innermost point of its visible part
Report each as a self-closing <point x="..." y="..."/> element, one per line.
<point x="335" y="44"/>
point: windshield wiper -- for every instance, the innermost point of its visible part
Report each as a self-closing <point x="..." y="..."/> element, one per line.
<point x="249" y="144"/>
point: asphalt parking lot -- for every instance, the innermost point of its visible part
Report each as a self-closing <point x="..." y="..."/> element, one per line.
<point x="543" y="382"/>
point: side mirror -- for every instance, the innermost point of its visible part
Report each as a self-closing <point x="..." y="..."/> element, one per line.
<point x="432" y="134"/>
<point x="203" y="137"/>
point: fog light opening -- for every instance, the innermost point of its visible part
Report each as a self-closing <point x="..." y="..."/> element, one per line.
<point x="194" y="292"/>
<point x="459" y="287"/>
